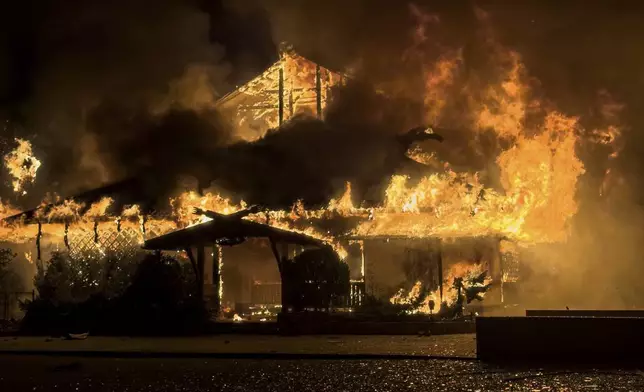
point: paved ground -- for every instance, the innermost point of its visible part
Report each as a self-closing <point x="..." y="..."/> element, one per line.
<point x="441" y="345"/>
<point x="47" y="373"/>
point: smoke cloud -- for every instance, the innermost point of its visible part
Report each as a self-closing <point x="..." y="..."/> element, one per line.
<point x="115" y="85"/>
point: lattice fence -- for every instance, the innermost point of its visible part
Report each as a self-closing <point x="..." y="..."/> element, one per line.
<point x="121" y="244"/>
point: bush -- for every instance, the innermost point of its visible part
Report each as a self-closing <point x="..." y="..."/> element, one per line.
<point x="315" y="279"/>
<point x="112" y="296"/>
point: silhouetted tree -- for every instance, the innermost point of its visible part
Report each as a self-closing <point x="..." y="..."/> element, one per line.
<point x="9" y="280"/>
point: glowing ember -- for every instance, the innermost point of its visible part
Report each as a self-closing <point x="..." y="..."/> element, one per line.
<point x="22" y="165"/>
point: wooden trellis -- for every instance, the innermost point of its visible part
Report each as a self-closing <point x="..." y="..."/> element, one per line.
<point x="85" y="244"/>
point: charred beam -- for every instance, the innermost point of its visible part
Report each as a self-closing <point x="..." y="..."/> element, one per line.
<point x="191" y="257"/>
<point x="318" y="91"/>
<point x="100" y="219"/>
<point x="281" y="96"/>
<point x="96" y="232"/>
<point x="295" y="90"/>
<point x="66" y="235"/>
<point x="143" y="219"/>
<point x="217" y="278"/>
<point x="276" y="253"/>
<point x="418" y="134"/>
<point x="38" y="236"/>
<point x="440" y="269"/>
<point x="291" y="103"/>
<point x="280" y="267"/>
<point x="257" y="107"/>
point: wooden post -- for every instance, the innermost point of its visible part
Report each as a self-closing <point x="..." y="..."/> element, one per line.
<point x="362" y="261"/>
<point x="201" y="259"/>
<point x="142" y="220"/>
<point x="440" y="270"/>
<point x="217" y="279"/>
<point x="280" y="102"/>
<point x="318" y="91"/>
<point x="66" y="236"/>
<point x="291" y="109"/>
<point x="193" y="263"/>
<point x="38" y="236"/>
<point x="280" y="267"/>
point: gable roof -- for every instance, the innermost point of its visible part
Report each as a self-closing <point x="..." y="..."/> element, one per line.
<point x="272" y="68"/>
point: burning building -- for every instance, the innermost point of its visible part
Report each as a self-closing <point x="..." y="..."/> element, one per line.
<point x="426" y="231"/>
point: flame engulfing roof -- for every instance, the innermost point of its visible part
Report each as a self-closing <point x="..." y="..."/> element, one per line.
<point x="206" y="234"/>
<point x="127" y="192"/>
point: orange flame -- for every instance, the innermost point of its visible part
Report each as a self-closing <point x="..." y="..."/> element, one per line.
<point x="463" y="270"/>
<point x="22" y="165"/>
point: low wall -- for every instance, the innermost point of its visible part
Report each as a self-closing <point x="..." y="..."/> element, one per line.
<point x="551" y="339"/>
<point x="584" y="313"/>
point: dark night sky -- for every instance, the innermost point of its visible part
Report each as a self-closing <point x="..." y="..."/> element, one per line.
<point x="246" y="37"/>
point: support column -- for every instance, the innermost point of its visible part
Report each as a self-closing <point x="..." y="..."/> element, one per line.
<point x="66" y="236"/>
<point x="280" y="102"/>
<point x="496" y="272"/>
<point x="38" y="237"/>
<point x="440" y="270"/>
<point x="217" y="277"/>
<point x="280" y="266"/>
<point x="318" y="91"/>
<point x="201" y="262"/>
<point x="291" y="104"/>
<point x="201" y="253"/>
<point x="362" y="261"/>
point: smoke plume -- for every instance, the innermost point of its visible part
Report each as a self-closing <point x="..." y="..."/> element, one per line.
<point x="115" y="85"/>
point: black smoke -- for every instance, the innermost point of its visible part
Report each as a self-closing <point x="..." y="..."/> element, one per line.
<point x="102" y="87"/>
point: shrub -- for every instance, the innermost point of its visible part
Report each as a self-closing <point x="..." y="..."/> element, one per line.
<point x="315" y="279"/>
<point x="114" y="296"/>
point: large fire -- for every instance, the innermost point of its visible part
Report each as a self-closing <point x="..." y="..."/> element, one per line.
<point x="531" y="201"/>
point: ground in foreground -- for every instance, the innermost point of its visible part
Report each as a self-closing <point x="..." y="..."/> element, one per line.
<point x="46" y="373"/>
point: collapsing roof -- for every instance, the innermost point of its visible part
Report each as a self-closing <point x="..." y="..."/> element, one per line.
<point x="212" y="232"/>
